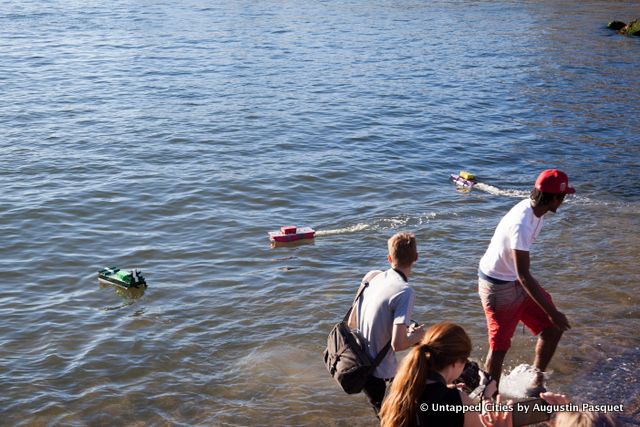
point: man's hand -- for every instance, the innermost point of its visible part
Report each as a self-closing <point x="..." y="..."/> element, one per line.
<point x="559" y="320"/>
<point x="490" y="390"/>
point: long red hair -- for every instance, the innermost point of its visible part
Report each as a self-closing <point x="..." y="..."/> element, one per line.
<point x="443" y="344"/>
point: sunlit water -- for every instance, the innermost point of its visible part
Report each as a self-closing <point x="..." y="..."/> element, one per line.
<point x="172" y="136"/>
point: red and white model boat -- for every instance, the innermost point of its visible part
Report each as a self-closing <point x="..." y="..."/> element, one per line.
<point x="290" y="233"/>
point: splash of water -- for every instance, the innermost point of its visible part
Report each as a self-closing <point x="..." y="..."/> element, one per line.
<point x="516" y="384"/>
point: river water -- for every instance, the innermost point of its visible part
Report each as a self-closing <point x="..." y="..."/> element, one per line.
<point x="172" y="136"/>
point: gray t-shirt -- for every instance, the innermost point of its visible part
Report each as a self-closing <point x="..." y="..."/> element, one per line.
<point x="387" y="301"/>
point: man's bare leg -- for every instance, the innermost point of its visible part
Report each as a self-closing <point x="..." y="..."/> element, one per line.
<point x="494" y="363"/>
<point x="545" y="349"/>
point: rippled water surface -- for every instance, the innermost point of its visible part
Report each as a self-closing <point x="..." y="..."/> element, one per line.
<point x="171" y="136"/>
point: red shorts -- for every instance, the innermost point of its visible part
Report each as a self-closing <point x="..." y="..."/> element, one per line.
<point x="507" y="304"/>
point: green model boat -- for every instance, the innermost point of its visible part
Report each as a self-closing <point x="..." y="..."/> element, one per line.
<point x="122" y="278"/>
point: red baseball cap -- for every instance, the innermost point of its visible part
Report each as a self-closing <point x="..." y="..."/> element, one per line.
<point x="554" y="181"/>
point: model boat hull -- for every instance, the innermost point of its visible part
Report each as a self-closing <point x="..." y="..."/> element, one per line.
<point x="461" y="182"/>
<point x="122" y="278"/>
<point x="299" y="234"/>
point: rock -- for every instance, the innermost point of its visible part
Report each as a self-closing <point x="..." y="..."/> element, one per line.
<point x="632" y="28"/>
<point x="616" y="25"/>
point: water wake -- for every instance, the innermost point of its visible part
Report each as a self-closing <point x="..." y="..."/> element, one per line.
<point x="380" y="224"/>
<point x="499" y="192"/>
<point x="345" y="230"/>
<point x="573" y="199"/>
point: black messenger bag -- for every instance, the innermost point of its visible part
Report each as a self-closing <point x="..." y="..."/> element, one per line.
<point x="346" y="358"/>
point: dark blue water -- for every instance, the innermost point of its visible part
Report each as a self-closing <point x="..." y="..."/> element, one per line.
<point x="172" y="137"/>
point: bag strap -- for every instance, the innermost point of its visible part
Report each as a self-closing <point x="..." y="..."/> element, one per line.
<point x="381" y="355"/>
<point x="363" y="286"/>
<point x="387" y="347"/>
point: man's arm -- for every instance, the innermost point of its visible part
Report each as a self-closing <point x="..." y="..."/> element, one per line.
<point x="403" y="337"/>
<point x="353" y="319"/>
<point x="532" y="287"/>
<point x="352" y="322"/>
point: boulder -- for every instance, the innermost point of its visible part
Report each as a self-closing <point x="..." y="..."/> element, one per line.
<point x="630" y="29"/>
<point x="616" y="25"/>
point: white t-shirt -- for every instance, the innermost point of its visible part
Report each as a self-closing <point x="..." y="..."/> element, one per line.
<point x="387" y="301"/>
<point x="518" y="229"/>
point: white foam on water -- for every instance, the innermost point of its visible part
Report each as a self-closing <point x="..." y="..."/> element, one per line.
<point x="515" y="384"/>
<point x="572" y="199"/>
<point x="382" y="224"/>
<point x="425" y="218"/>
<point x="499" y="192"/>
<point x="345" y="230"/>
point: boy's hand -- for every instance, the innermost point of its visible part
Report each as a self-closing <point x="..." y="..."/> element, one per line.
<point x="414" y="327"/>
<point x="415" y="332"/>
<point x="560" y="321"/>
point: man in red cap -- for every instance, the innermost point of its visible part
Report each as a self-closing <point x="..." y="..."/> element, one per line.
<point x="509" y="292"/>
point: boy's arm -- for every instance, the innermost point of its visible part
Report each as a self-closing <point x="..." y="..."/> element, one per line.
<point x="532" y="287"/>
<point x="353" y="319"/>
<point x="403" y="336"/>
